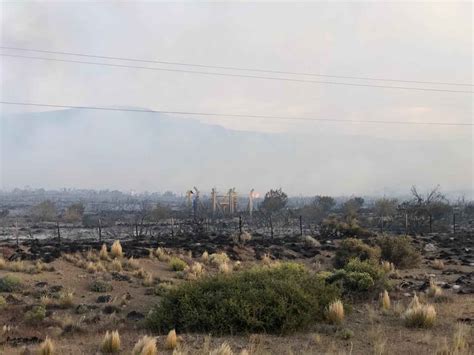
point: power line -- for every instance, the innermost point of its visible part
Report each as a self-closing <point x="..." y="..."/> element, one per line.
<point x="190" y="113"/>
<point x="233" y="68"/>
<point x="236" y="75"/>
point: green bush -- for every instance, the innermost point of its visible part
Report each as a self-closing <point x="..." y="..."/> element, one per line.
<point x="36" y="315"/>
<point x="359" y="277"/>
<point x="10" y="283"/>
<point x="399" y="250"/>
<point x="351" y="248"/>
<point x="177" y="264"/>
<point x="100" y="286"/>
<point x="281" y="299"/>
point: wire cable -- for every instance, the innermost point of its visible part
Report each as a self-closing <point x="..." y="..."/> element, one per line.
<point x="232" y="67"/>
<point x="190" y="113"/>
<point x="236" y="75"/>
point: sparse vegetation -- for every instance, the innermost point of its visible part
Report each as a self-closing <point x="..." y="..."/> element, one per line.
<point x="399" y="251"/>
<point x="10" y="283"/>
<point x="229" y="303"/>
<point x="100" y="286"/>
<point x="354" y="248"/>
<point x="36" y="314"/>
<point x="177" y="264"/>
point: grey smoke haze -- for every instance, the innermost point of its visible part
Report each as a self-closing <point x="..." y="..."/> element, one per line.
<point x="414" y="41"/>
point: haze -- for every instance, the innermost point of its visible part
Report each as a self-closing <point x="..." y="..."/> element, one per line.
<point x="91" y="149"/>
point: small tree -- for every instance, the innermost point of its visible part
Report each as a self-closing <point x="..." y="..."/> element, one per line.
<point x="385" y="208"/>
<point x="274" y="201"/>
<point x="74" y="213"/>
<point x="45" y="211"/>
<point x="352" y="207"/>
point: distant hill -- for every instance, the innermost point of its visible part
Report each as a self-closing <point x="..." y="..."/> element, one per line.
<point x="147" y="151"/>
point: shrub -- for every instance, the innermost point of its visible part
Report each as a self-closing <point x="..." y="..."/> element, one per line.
<point x="359" y="277"/>
<point x="10" y="283"/>
<point x="3" y="303"/>
<point x="281" y="299"/>
<point x="111" y="342"/>
<point x="3" y="263"/>
<point x="100" y="286"/>
<point x="145" y="346"/>
<point x="116" y="249"/>
<point x="421" y="316"/>
<point x="171" y="340"/>
<point x="177" y="264"/>
<point x="399" y="251"/>
<point x="36" y="315"/>
<point x="354" y="248"/>
<point x="335" y="312"/>
<point x="46" y="347"/>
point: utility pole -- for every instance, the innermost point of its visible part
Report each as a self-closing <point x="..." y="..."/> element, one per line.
<point x="406" y="223"/>
<point x="454" y="222"/>
<point x="100" y="230"/>
<point x="301" y="225"/>
<point x="58" y="234"/>
<point x="271" y="226"/>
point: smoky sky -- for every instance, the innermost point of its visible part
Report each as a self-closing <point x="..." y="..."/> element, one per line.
<point x="421" y="41"/>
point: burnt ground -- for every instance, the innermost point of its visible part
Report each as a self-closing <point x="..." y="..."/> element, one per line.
<point x="78" y="329"/>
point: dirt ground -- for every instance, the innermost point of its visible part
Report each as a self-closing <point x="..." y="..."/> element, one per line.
<point x="78" y="328"/>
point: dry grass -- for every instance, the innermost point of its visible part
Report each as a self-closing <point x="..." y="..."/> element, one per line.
<point x="104" y="254"/>
<point x="388" y="267"/>
<point x="205" y="257"/>
<point x="92" y="256"/>
<point x="46" y="300"/>
<point x="385" y="300"/>
<point x="115" y="265"/>
<point x="225" y="268"/>
<point x="420" y="316"/>
<point x="111" y="342"/>
<point x="3" y="263"/>
<point x="145" y="346"/>
<point x="116" y="250"/>
<point x="335" y="312"/>
<point x="16" y="266"/>
<point x="66" y="299"/>
<point x="434" y="291"/>
<point x="171" y="340"/>
<point x="91" y="267"/>
<point x="131" y="264"/>
<point x="148" y="280"/>
<point x="224" y="349"/>
<point x="46" y="347"/>
<point x="415" y="302"/>
<point x="161" y="255"/>
<point x="217" y="259"/>
<point x="266" y="260"/>
<point x="437" y="264"/>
